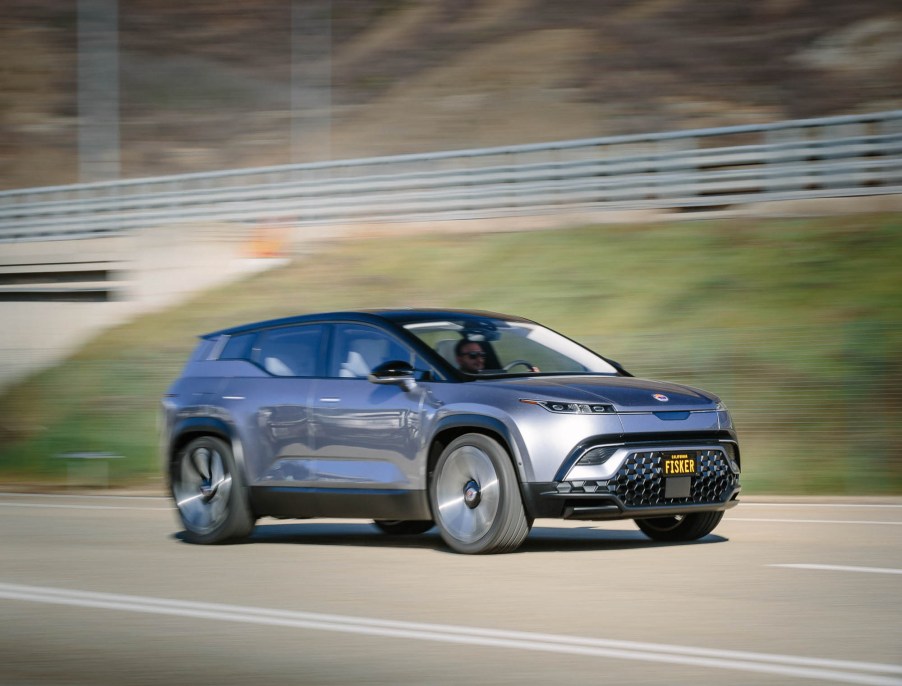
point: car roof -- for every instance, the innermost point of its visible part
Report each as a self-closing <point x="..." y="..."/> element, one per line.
<point x="398" y="316"/>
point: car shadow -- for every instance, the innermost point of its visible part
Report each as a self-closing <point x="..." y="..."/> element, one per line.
<point x="541" y="539"/>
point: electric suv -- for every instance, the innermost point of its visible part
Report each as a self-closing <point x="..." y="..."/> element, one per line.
<point x="474" y="422"/>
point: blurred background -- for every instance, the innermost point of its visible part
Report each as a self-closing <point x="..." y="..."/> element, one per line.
<point x="203" y="86"/>
<point x="787" y="308"/>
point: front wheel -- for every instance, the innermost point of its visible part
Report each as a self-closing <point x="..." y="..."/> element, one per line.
<point x="689" y="527"/>
<point x="475" y="497"/>
<point x="209" y="492"/>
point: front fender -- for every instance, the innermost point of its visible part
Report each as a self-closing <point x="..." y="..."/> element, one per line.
<point x="508" y="433"/>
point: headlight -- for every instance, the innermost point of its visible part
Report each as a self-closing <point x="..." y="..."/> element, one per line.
<point x="562" y="407"/>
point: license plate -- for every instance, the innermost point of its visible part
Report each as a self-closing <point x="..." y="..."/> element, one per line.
<point x="679" y="464"/>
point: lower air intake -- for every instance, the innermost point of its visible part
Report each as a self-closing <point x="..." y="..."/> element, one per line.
<point x="640" y="481"/>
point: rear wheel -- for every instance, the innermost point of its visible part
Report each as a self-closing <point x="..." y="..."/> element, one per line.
<point x="400" y="527"/>
<point x="689" y="527"/>
<point x="475" y="497"/>
<point x="209" y="493"/>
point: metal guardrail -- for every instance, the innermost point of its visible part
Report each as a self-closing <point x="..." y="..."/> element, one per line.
<point x="825" y="157"/>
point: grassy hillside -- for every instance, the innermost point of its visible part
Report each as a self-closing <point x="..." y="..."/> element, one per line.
<point x="796" y="324"/>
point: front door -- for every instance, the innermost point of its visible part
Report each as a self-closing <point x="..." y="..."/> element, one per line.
<point x="365" y="435"/>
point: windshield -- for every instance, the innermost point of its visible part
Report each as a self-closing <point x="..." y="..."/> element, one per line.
<point x="481" y="346"/>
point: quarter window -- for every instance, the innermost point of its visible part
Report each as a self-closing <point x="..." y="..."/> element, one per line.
<point x="238" y="347"/>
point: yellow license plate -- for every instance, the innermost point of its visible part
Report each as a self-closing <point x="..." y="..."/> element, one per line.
<point x="679" y="464"/>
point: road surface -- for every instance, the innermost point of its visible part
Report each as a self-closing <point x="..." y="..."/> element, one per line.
<point x="103" y="590"/>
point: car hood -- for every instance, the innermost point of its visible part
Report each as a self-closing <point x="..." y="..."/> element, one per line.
<point x="624" y="393"/>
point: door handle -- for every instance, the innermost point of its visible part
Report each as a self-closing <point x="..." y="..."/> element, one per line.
<point x="330" y="400"/>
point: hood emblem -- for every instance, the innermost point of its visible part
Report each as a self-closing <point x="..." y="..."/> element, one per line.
<point x="660" y="397"/>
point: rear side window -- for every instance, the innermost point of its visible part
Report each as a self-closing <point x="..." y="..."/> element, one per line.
<point x="289" y="351"/>
<point x="358" y="349"/>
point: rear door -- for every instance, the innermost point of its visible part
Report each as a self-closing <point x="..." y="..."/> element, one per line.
<point x="271" y="403"/>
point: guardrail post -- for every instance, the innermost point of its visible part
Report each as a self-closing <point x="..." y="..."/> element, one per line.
<point x="837" y="147"/>
<point x="673" y="174"/>
<point x="787" y="159"/>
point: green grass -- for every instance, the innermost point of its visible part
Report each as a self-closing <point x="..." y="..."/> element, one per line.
<point x="796" y="324"/>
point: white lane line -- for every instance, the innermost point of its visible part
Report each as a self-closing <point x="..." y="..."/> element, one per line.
<point x="841" y="671"/>
<point x="809" y="521"/>
<point x="843" y="568"/>
<point x="46" y="506"/>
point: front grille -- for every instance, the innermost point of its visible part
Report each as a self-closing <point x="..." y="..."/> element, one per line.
<point x="640" y="481"/>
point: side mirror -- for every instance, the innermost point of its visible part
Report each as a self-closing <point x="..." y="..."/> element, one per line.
<point x="394" y="373"/>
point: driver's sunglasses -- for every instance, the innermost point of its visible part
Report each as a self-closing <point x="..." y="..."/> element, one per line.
<point x="474" y="356"/>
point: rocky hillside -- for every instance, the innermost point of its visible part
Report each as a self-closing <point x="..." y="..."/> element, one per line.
<point x="207" y="85"/>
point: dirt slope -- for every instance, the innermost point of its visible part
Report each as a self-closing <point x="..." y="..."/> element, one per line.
<point x="205" y="85"/>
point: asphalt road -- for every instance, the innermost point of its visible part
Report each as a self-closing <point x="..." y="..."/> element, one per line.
<point x="102" y="590"/>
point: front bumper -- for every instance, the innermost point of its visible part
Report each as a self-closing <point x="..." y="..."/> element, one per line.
<point x="638" y="488"/>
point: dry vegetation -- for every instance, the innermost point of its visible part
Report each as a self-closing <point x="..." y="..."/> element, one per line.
<point x="207" y="85"/>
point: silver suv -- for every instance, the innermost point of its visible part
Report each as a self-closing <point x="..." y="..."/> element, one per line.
<point x="475" y="422"/>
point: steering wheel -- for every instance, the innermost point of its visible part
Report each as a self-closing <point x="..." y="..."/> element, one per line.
<point x="526" y="363"/>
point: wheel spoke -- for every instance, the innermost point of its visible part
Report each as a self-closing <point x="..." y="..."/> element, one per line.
<point x="217" y="471"/>
<point x="458" y="518"/>
<point x="451" y="505"/>
<point x="481" y="518"/>
<point x="200" y="458"/>
<point x="224" y="487"/>
<point x="216" y="508"/>
<point x="459" y="468"/>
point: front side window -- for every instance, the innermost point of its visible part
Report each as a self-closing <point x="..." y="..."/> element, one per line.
<point x="289" y="351"/>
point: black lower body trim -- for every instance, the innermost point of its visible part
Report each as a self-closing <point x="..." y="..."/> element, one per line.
<point x="347" y="503"/>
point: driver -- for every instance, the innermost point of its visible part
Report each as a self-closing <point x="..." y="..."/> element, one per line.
<point x="470" y="356"/>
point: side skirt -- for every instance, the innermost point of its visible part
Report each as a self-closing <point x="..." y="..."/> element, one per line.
<point x="348" y="503"/>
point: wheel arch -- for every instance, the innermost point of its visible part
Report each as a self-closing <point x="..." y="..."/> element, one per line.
<point x="190" y="428"/>
<point x="456" y="425"/>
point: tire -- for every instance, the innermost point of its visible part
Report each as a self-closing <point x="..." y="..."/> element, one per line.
<point x="400" y="527"/>
<point x="688" y="527"/>
<point x="210" y="494"/>
<point x="475" y="497"/>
